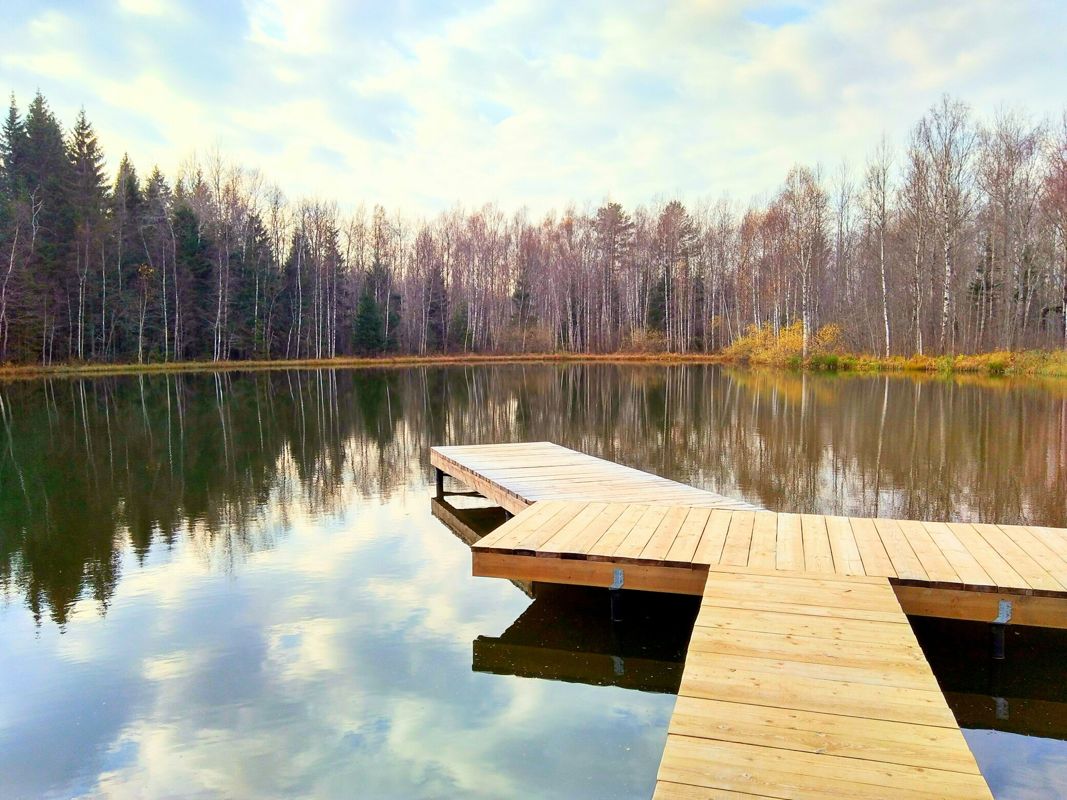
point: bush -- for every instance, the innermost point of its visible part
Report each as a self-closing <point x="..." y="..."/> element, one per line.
<point x="760" y="345"/>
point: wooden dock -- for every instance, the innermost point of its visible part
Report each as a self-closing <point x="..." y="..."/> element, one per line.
<point x="803" y="677"/>
<point x="516" y="475"/>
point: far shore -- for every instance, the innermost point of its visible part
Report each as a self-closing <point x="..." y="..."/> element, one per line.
<point x="1032" y="363"/>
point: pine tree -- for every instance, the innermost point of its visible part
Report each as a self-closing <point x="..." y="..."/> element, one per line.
<point x="369" y="336"/>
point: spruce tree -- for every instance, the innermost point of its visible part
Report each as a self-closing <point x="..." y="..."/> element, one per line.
<point x="12" y="153"/>
<point x="89" y="187"/>
<point x="369" y="336"/>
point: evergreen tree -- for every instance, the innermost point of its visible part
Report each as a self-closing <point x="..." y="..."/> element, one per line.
<point x="436" y="310"/>
<point x="369" y="336"/>
<point x="48" y="177"/>
<point x="12" y="153"/>
<point x="195" y="275"/>
<point x="89" y="186"/>
<point x="125" y="209"/>
<point x="87" y="194"/>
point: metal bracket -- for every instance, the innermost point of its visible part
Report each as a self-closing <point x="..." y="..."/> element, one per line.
<point x="616" y="582"/>
<point x="1004" y="613"/>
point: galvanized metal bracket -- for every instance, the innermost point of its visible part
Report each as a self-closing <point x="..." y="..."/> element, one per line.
<point x="616" y="581"/>
<point x="1004" y="613"/>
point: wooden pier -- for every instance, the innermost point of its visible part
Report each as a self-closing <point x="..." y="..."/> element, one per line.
<point x="803" y="677"/>
<point x="515" y="476"/>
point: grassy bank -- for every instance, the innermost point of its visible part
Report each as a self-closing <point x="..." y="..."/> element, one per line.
<point x="784" y="348"/>
<point x="1004" y="362"/>
<point x="1032" y="362"/>
<point x="74" y="369"/>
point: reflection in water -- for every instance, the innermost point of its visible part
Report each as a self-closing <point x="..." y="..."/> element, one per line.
<point x="242" y="565"/>
<point x="566" y="634"/>
<point x="224" y="459"/>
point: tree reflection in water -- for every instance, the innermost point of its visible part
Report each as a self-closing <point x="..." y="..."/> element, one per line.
<point x="89" y="467"/>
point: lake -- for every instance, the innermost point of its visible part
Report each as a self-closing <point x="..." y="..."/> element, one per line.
<point x="233" y="584"/>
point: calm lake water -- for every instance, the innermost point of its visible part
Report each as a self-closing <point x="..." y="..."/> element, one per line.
<point x="233" y="585"/>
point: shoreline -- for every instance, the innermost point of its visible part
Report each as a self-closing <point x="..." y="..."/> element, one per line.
<point x="1038" y="363"/>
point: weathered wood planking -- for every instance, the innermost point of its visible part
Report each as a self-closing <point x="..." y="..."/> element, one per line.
<point x="956" y="571"/>
<point x="823" y="692"/>
<point x="516" y="475"/>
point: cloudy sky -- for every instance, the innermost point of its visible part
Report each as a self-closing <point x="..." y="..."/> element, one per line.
<point x="421" y="105"/>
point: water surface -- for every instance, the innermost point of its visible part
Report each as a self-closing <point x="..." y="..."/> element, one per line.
<point x="234" y="584"/>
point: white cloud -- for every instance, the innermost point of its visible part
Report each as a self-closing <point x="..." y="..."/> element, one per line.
<point x="529" y="103"/>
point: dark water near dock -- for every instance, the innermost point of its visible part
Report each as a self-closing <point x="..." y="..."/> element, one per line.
<point x="233" y="584"/>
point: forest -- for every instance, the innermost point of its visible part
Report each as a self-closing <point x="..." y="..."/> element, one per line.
<point x="952" y="241"/>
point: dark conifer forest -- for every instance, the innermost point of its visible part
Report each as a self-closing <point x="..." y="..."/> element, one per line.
<point x="953" y="241"/>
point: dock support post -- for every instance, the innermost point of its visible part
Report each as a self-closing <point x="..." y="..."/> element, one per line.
<point x="440" y="483"/>
<point x="999" y="627"/>
<point x="998" y="641"/>
<point x="615" y="594"/>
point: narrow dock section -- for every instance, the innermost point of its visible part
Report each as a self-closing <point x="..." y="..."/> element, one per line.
<point x="516" y="475"/>
<point x="819" y="690"/>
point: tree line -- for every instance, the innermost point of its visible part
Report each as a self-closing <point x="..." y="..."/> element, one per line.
<point x="956" y="241"/>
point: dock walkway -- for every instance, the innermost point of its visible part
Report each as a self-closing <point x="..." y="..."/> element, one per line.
<point x="822" y="692"/>
<point x="516" y="475"/>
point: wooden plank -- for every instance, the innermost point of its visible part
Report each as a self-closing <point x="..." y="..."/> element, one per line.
<point x="763" y="553"/>
<point x="783" y="773"/>
<point x="796" y="705"/>
<point x="846" y="554"/>
<point x="641" y="533"/>
<point x="965" y="565"/>
<point x="607" y="544"/>
<point x="872" y="552"/>
<point x="905" y="563"/>
<point x="816" y="732"/>
<point x="802" y="625"/>
<point x="1037" y="610"/>
<point x="790" y="552"/>
<point x="817" y="553"/>
<point x="937" y="566"/>
<point x="804" y="648"/>
<point x="518" y="526"/>
<point x="1031" y="571"/>
<point x="738" y="539"/>
<point x="1049" y="552"/>
<point x="665" y="534"/>
<point x="581" y="540"/>
<point x="685" y="545"/>
<point x="560" y="525"/>
<point x="1000" y="571"/>
<point x="712" y="541"/>
<point x="587" y="573"/>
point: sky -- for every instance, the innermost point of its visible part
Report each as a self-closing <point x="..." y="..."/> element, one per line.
<point x="425" y="104"/>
